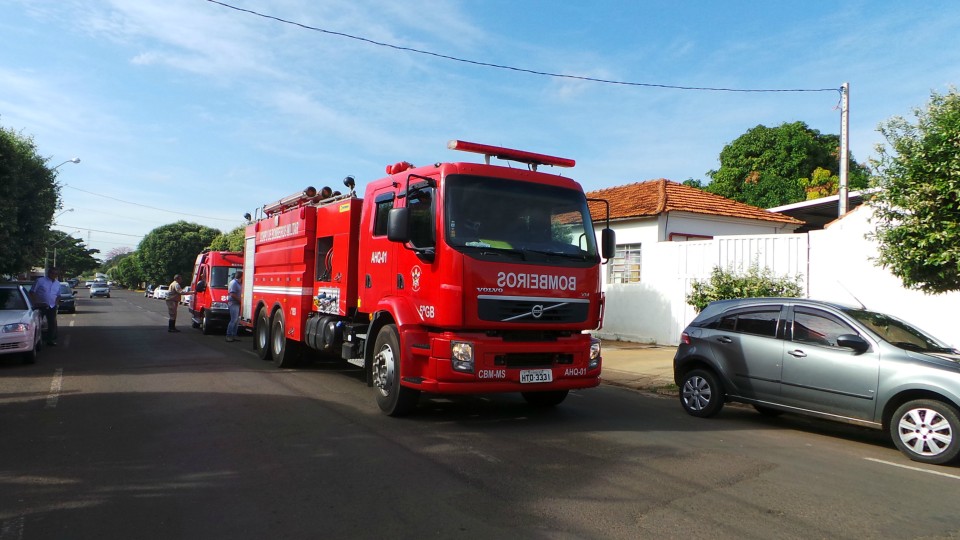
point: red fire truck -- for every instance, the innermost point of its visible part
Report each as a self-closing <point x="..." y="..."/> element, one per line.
<point x="450" y="278"/>
<point x="211" y="274"/>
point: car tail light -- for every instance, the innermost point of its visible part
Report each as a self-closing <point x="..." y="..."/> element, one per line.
<point x="685" y="338"/>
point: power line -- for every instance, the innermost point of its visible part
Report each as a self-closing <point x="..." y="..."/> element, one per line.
<point x="81" y="229"/>
<point x="150" y="207"/>
<point x="514" y="68"/>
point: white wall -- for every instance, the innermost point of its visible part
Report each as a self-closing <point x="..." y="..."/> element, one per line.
<point x="841" y="261"/>
<point x="835" y="265"/>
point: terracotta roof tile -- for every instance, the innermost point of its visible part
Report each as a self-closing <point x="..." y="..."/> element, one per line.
<point x="644" y="199"/>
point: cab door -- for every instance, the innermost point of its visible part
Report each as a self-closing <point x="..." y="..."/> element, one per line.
<point x="377" y="254"/>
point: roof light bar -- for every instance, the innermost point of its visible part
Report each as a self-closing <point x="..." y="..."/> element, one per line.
<point x="531" y="158"/>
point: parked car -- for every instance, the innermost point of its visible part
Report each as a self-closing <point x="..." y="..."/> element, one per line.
<point x="148" y="292"/>
<point x="73" y="282"/>
<point x="185" y="298"/>
<point x="68" y="300"/>
<point x="20" y="323"/>
<point x="100" y="289"/>
<point x="825" y="360"/>
<point x="161" y="291"/>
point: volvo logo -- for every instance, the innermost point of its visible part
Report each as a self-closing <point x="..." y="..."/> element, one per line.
<point x="537" y="311"/>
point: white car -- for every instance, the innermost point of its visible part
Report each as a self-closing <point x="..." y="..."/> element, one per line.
<point x="161" y="291"/>
<point x="20" y="323"/>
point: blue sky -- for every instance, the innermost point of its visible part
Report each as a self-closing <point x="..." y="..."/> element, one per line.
<point x="186" y="109"/>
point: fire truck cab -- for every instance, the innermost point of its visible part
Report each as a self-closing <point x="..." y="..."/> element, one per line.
<point x="449" y="278"/>
<point x="212" y="271"/>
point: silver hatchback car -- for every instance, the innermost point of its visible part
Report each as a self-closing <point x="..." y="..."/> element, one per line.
<point x="825" y="360"/>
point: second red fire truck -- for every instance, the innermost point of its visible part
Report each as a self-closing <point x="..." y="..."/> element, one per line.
<point x="212" y="272"/>
<point x="450" y="278"/>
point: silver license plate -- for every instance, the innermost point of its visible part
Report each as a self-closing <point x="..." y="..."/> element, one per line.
<point x="536" y="375"/>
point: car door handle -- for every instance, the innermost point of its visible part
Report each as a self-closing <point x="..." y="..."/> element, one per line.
<point x="724" y="339"/>
<point x="797" y="354"/>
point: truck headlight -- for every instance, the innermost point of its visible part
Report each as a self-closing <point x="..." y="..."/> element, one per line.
<point x="219" y="305"/>
<point x="461" y="356"/>
<point x="594" y="353"/>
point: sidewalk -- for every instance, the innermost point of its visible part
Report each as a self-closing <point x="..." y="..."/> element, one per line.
<point x="639" y="366"/>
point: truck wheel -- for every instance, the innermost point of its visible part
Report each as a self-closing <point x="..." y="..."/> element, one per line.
<point x="927" y="431"/>
<point x="393" y="399"/>
<point x="545" y="399"/>
<point x="205" y="323"/>
<point x="285" y="352"/>
<point x="261" y="335"/>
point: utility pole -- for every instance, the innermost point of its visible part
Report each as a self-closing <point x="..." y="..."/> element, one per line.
<point x="844" y="147"/>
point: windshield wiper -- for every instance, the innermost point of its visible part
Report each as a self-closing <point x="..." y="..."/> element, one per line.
<point x="577" y="256"/>
<point x="486" y="249"/>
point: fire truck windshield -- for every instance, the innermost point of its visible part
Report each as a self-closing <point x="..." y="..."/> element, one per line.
<point x="493" y="219"/>
<point x="220" y="276"/>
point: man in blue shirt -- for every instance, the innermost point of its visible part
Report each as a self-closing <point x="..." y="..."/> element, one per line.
<point x="46" y="296"/>
<point x="234" y="290"/>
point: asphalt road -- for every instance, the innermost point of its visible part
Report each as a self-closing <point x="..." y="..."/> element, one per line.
<point x="127" y="431"/>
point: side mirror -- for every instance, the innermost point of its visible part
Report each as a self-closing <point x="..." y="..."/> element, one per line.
<point x="608" y="243"/>
<point x="397" y="229"/>
<point x="201" y="286"/>
<point x="74" y="293"/>
<point x="853" y="341"/>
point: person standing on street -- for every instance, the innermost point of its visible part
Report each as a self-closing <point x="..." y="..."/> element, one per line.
<point x="173" y="301"/>
<point x="234" y="290"/>
<point x="46" y="295"/>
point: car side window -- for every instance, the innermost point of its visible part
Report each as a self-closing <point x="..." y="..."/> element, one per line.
<point x="759" y="322"/>
<point x="818" y="328"/>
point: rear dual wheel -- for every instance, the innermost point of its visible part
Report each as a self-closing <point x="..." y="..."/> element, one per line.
<point x="261" y="335"/>
<point x="286" y="352"/>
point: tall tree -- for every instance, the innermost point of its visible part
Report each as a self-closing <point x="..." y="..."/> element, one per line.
<point x="70" y="254"/>
<point x="172" y="249"/>
<point x="765" y="166"/>
<point x="28" y="198"/>
<point x="918" y="206"/>
<point x="231" y="241"/>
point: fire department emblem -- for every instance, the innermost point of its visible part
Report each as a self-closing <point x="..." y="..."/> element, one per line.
<point x="415" y="273"/>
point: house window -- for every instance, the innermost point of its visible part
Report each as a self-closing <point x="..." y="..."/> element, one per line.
<point x="625" y="266"/>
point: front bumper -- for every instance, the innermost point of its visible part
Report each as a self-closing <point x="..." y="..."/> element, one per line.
<point x="498" y="364"/>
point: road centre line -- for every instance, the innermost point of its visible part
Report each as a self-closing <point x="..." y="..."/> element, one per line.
<point x="54" y="396"/>
<point x="918" y="469"/>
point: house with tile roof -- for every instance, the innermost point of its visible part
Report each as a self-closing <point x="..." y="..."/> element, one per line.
<point x="665" y="211"/>
<point x="669" y="235"/>
<point x="646" y="282"/>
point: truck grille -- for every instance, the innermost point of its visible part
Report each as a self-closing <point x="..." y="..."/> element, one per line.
<point x="532" y="310"/>
<point x="527" y="360"/>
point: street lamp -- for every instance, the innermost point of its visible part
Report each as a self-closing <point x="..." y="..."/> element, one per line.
<point x="74" y="160"/>
<point x="62" y="213"/>
<point x="46" y="259"/>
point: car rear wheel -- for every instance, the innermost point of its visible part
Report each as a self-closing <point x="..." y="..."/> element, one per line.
<point x="927" y="431"/>
<point x="701" y="393"/>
